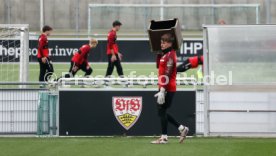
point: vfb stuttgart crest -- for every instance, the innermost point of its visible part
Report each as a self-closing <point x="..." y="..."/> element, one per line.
<point x="127" y="110"/>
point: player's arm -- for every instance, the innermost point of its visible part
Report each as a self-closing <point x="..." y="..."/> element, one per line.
<point x="164" y="79"/>
<point x="158" y="57"/>
<point x="77" y="61"/>
<point x="186" y="65"/>
<point x="191" y="62"/>
<point x="87" y="64"/>
<point x="83" y="55"/>
<point x="75" y="68"/>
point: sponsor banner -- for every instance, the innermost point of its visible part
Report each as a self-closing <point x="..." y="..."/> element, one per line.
<point x="9" y="50"/>
<point x="85" y="112"/>
<point x="61" y="50"/>
<point x="192" y="48"/>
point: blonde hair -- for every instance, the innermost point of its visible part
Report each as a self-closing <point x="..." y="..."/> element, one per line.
<point x="93" y="41"/>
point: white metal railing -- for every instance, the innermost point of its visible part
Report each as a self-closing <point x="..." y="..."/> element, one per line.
<point x="25" y="110"/>
<point x="125" y="82"/>
<point x="90" y="81"/>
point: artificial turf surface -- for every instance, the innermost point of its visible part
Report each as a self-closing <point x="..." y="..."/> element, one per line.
<point x="10" y="72"/>
<point x="123" y="146"/>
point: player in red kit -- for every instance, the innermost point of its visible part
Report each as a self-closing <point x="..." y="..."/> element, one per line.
<point x="45" y="64"/>
<point x="190" y="62"/>
<point x="195" y="61"/>
<point x="113" y="55"/>
<point x="80" y="60"/>
<point x="167" y="87"/>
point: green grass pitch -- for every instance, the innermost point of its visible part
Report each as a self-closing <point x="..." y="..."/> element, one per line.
<point x="10" y="72"/>
<point x="122" y="146"/>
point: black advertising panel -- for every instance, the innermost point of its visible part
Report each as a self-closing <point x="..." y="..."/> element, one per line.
<point x="9" y="50"/>
<point x="114" y="112"/>
<point x="61" y="50"/>
<point x="192" y="48"/>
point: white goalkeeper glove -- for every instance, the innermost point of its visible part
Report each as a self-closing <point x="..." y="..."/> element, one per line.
<point x="161" y="96"/>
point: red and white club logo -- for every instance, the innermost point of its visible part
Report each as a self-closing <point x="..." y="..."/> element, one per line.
<point x="127" y="110"/>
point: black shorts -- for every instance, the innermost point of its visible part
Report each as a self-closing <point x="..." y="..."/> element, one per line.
<point x="82" y="67"/>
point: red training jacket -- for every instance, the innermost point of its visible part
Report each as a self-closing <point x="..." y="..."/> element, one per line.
<point x="81" y="56"/>
<point x="43" y="50"/>
<point x="167" y="68"/>
<point x="111" y="42"/>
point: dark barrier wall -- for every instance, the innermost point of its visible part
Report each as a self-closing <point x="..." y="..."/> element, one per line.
<point x="91" y="113"/>
<point x="133" y="50"/>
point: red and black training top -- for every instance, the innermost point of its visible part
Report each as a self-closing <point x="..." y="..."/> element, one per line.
<point x="43" y="50"/>
<point x="111" y="42"/>
<point x="195" y="61"/>
<point x="167" y="70"/>
<point x="81" y="56"/>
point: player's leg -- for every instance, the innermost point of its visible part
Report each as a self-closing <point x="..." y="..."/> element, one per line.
<point x="168" y="103"/>
<point x="119" y="67"/>
<point x="110" y="66"/>
<point x="162" y="113"/>
<point x="109" y="70"/>
<point x="71" y="73"/>
<point x="183" y="130"/>
<point x="166" y="117"/>
<point x="50" y="69"/>
<point x="42" y="70"/>
<point x="87" y="70"/>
